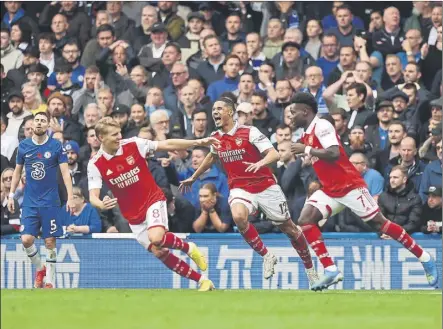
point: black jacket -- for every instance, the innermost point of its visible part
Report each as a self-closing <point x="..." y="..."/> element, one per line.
<point x="268" y="125"/>
<point x="5" y="225"/>
<point x="183" y="217"/>
<point x="373" y="137"/>
<point x="403" y="208"/>
<point x="428" y="214"/>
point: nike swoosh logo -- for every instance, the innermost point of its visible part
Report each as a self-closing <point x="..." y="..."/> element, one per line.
<point x="28" y="155"/>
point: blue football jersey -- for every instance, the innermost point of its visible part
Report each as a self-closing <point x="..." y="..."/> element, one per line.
<point x="41" y="163"/>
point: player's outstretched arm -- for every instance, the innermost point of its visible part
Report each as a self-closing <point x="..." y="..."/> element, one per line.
<point x="183" y="144"/>
<point x="206" y="164"/>
<point x="270" y="156"/>
<point x="14" y="183"/>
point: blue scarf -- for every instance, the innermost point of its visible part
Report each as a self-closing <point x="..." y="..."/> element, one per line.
<point x="20" y="13"/>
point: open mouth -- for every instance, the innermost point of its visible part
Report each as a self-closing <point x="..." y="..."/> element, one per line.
<point x="217" y="118"/>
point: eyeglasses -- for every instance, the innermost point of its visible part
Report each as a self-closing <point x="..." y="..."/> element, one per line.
<point x="7" y="178"/>
<point x="438" y="148"/>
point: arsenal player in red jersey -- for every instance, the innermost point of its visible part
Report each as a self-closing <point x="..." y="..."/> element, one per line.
<point x="342" y="186"/>
<point x="122" y="164"/>
<point x="245" y="154"/>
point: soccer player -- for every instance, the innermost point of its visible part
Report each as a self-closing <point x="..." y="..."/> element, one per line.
<point x="121" y="164"/>
<point x="41" y="156"/>
<point x="246" y="153"/>
<point x="342" y="186"/>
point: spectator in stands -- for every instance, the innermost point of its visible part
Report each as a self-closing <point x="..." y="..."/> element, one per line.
<point x="59" y="120"/>
<point x="212" y="69"/>
<point x="105" y="37"/>
<point x="11" y="58"/>
<point x="330" y="59"/>
<point x="400" y="203"/>
<point x="377" y="134"/>
<point x="9" y="223"/>
<point x="15" y="13"/>
<point x="191" y="39"/>
<point x="263" y="119"/>
<point x="432" y="173"/>
<point x="393" y="74"/>
<point x="246" y="87"/>
<point x="409" y="160"/>
<point x="347" y="60"/>
<point x="212" y="175"/>
<point x="213" y="212"/>
<point x="284" y="93"/>
<point x="344" y="31"/>
<point x="17" y="113"/>
<point x="231" y="67"/>
<point x="282" y="133"/>
<point x="431" y="57"/>
<point x="181" y="213"/>
<point x="233" y="32"/>
<point x="420" y="18"/>
<point x="87" y="151"/>
<point x="142" y="33"/>
<point x="175" y="25"/>
<point x="180" y="76"/>
<point x="292" y="65"/>
<point x="71" y="57"/>
<point x="314" y="78"/>
<point x="431" y="215"/>
<point x="331" y="20"/>
<point x="241" y="51"/>
<point x="274" y="40"/>
<point x="21" y="36"/>
<point x="188" y="106"/>
<point x="6" y="179"/>
<point x="372" y="177"/>
<point x="194" y="60"/>
<point x="91" y="115"/>
<point x="254" y="45"/>
<point x="313" y="45"/>
<point x="356" y="97"/>
<point x="245" y="114"/>
<point x="341" y="124"/>
<point x="32" y="100"/>
<point x="286" y="158"/>
<point x="296" y="201"/>
<point x="122" y="24"/>
<point x="357" y="142"/>
<point x="200" y="124"/>
<point x="105" y="101"/>
<point x="396" y="132"/>
<point x="376" y="21"/>
<point x="63" y="77"/>
<point x="75" y="169"/>
<point x="87" y="94"/>
<point x="85" y="218"/>
<point x="382" y="40"/>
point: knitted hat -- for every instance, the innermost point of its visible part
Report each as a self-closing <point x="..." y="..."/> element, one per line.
<point x="57" y="95"/>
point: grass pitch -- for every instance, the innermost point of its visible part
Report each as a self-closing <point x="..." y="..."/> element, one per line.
<point x="242" y="309"/>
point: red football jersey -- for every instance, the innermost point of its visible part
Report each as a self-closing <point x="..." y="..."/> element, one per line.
<point x="128" y="177"/>
<point x="244" y="144"/>
<point x="339" y="177"/>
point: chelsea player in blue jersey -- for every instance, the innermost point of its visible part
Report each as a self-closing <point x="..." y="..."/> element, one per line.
<point x="41" y="156"/>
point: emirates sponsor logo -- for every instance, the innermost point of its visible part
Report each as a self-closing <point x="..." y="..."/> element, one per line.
<point x="126" y="179"/>
<point x="232" y="155"/>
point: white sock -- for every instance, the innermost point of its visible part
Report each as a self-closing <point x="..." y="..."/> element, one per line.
<point x="51" y="260"/>
<point x="425" y="257"/>
<point x="331" y="268"/>
<point x="34" y="256"/>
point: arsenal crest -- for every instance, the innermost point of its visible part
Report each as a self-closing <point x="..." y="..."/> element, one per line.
<point x="310" y="140"/>
<point x="130" y="160"/>
<point x="238" y="141"/>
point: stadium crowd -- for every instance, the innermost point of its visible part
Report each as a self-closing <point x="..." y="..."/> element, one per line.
<point x="158" y="67"/>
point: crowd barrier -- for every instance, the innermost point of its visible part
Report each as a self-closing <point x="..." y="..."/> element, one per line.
<point x="118" y="261"/>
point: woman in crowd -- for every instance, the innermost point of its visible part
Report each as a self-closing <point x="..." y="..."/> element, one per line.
<point x="85" y="219"/>
<point x="213" y="213"/>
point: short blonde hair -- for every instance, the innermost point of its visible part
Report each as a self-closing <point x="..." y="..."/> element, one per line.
<point x="101" y="128"/>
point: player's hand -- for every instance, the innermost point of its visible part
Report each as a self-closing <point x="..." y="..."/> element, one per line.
<point x="70" y="206"/>
<point x="71" y="228"/>
<point x="109" y="203"/>
<point x="385" y="237"/>
<point x="208" y="141"/>
<point x="185" y="185"/>
<point x="298" y="148"/>
<point x="11" y="205"/>
<point x="253" y="167"/>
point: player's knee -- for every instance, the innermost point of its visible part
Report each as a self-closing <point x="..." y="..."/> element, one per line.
<point x="27" y="240"/>
<point x="156" y="239"/>
<point x="377" y="222"/>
